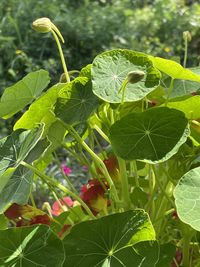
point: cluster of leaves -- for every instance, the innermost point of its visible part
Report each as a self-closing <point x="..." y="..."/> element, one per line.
<point x="152" y="129"/>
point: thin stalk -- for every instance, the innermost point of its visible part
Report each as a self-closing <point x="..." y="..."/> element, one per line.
<point x="61" y="56"/>
<point x="32" y="200"/>
<point x="123" y="89"/>
<point x="169" y="91"/>
<point x="53" y="183"/>
<point x="186" y="250"/>
<point x="99" y="146"/>
<point x="135" y="173"/>
<point x="185" y="53"/>
<point x="65" y="177"/>
<point x="97" y="160"/>
<point x="96" y="127"/>
<point x="124" y="182"/>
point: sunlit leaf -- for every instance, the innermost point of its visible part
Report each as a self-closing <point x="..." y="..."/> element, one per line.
<point x="16" y="97"/>
<point x="110" y="69"/>
<point x="187" y="198"/>
<point x="107" y="242"/>
<point x="41" y="110"/>
<point x="174" y="69"/>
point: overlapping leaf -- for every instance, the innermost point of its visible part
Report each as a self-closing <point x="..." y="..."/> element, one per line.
<point x="189" y="106"/>
<point x="187" y="198"/>
<point x="110" y="69"/>
<point x="174" y="69"/>
<point x="14" y="149"/>
<point x="109" y="241"/>
<point x="41" y="110"/>
<point x="30" y="247"/>
<point x="16" y="97"/>
<point x="19" y="185"/>
<point x="76" y="101"/>
<point x="154" y="135"/>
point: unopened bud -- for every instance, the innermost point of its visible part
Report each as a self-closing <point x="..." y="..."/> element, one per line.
<point x="63" y="78"/>
<point x="42" y="25"/>
<point x="135" y="76"/>
<point x="187" y="36"/>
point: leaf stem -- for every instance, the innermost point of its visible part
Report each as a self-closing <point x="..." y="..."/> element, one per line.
<point x="47" y="179"/>
<point x="61" y="56"/>
<point x="124" y="183"/>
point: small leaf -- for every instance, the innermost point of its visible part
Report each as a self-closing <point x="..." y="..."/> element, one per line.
<point x="110" y="69"/>
<point x="174" y="69"/>
<point x="187" y="200"/>
<point x="16" y="97"/>
<point x="30" y="246"/>
<point x="76" y="101"/>
<point x="107" y="242"/>
<point x="154" y="135"/>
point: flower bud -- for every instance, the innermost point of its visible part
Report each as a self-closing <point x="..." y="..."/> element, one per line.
<point x="42" y="25"/>
<point x="187" y="36"/>
<point x="135" y="76"/>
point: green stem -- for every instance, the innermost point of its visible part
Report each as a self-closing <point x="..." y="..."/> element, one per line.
<point x="124" y="183"/>
<point x="123" y="88"/>
<point x="65" y="177"/>
<point x="169" y="91"/>
<point x="185" y="53"/>
<point x="186" y="251"/>
<point x="97" y="160"/>
<point x="47" y="179"/>
<point x="32" y="200"/>
<point x="135" y="173"/>
<point x="101" y="133"/>
<point x="61" y="56"/>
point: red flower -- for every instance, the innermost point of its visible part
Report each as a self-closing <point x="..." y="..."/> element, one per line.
<point x="40" y="219"/>
<point x="112" y="166"/>
<point x="93" y="194"/>
<point x="13" y="212"/>
<point x="65" y="202"/>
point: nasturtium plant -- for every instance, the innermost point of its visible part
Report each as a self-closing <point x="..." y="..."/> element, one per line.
<point x="110" y="69"/>
<point x="132" y="123"/>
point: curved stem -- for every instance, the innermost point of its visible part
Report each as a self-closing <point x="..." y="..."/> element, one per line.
<point x="47" y="179"/>
<point x="61" y="56"/>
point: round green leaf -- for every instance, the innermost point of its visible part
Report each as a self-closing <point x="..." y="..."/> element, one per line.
<point x="111" y="68"/>
<point x="154" y="135"/>
<point x="30" y="247"/>
<point x="109" y="241"/>
<point x="187" y="198"/>
<point x="76" y="101"/>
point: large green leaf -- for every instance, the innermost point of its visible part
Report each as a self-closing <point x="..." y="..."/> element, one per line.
<point x="16" y="97"/>
<point x="41" y="110"/>
<point x="109" y="242"/>
<point x="174" y="69"/>
<point x="187" y="199"/>
<point x="189" y="106"/>
<point x="154" y="135"/>
<point x="76" y="101"/>
<point x="30" y="247"/>
<point x="14" y="149"/>
<point x="110" y="69"/>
